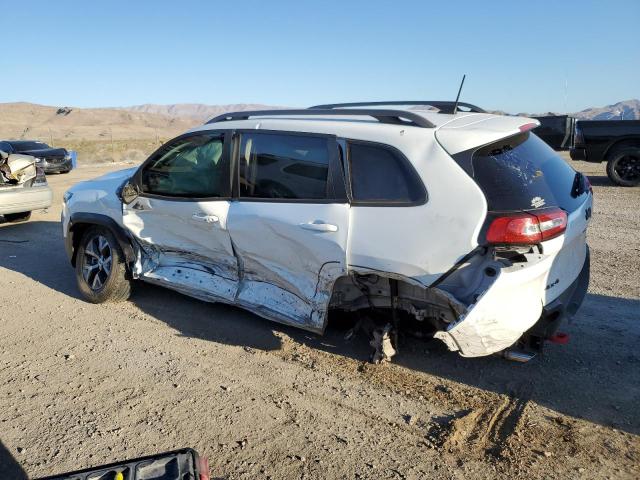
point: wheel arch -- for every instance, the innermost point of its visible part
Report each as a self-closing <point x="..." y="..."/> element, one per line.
<point x="619" y="144"/>
<point x="80" y="222"/>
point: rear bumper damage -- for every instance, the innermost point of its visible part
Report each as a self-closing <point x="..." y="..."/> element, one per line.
<point x="511" y="307"/>
<point x="563" y="308"/>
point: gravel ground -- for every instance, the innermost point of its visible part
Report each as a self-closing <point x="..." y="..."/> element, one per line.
<point x="84" y="384"/>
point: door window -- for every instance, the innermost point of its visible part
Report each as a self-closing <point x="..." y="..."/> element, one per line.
<point x="192" y="167"/>
<point x="282" y="166"/>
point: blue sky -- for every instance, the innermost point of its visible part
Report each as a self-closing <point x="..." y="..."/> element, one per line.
<point x="517" y="55"/>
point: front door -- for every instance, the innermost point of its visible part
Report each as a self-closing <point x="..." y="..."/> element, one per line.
<point x="180" y="217"/>
<point x="289" y="225"/>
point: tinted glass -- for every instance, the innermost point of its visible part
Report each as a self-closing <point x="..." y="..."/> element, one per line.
<point x="283" y="166"/>
<point x="6" y="147"/>
<point x="189" y="167"/>
<point x="24" y="146"/>
<point x="380" y="174"/>
<point x="524" y="173"/>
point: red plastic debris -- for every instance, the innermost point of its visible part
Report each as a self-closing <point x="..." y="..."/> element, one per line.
<point x="560" y="338"/>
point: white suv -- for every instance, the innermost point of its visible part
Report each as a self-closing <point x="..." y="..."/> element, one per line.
<point x="462" y="220"/>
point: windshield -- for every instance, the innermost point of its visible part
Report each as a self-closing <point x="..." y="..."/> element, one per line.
<point x="24" y="146"/>
<point x="523" y="173"/>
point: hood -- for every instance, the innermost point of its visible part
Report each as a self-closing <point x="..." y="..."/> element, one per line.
<point x="109" y="182"/>
<point x="117" y="175"/>
<point x="46" y="152"/>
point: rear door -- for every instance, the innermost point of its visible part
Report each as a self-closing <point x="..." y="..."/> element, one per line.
<point x="289" y="225"/>
<point x="180" y="217"/>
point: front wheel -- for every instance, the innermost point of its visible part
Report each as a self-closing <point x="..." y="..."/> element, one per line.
<point x="101" y="273"/>
<point x="17" y="217"/>
<point x="623" y="167"/>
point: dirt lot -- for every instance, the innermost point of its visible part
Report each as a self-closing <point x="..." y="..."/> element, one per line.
<point x="84" y="384"/>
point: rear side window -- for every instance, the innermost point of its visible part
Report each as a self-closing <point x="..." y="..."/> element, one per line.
<point x="283" y="166"/>
<point x="381" y="174"/>
<point x="524" y="173"/>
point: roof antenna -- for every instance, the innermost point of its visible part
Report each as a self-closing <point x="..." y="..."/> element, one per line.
<point x="455" y="106"/>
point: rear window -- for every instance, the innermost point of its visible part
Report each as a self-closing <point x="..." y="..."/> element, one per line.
<point x="524" y="173"/>
<point x="380" y="174"/>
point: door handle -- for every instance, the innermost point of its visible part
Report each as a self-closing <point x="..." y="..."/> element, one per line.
<point x="319" y="226"/>
<point x="201" y="217"/>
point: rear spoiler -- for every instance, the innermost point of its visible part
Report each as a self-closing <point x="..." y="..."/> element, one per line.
<point x="465" y="133"/>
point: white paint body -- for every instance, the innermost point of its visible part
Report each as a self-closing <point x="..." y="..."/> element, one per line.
<point x="281" y="260"/>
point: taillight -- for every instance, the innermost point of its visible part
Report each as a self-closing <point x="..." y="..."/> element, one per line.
<point x="527" y="228"/>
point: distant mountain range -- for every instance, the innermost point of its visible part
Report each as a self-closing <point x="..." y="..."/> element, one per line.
<point x="158" y="122"/>
<point x="625" y="110"/>
<point x="199" y="112"/>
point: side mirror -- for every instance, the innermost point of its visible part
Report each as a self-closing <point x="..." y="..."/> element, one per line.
<point x="129" y="192"/>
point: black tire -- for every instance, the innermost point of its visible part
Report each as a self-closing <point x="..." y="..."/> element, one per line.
<point x="65" y="171"/>
<point x="623" y="166"/>
<point x="112" y="283"/>
<point x="17" y="217"/>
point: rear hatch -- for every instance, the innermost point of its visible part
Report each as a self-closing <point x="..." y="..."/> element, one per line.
<point x="521" y="175"/>
<point x="538" y="209"/>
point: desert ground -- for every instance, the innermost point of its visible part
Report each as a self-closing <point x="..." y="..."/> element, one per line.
<point x="84" y="384"/>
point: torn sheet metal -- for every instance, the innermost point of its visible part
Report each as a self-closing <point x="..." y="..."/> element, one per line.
<point x="16" y="168"/>
<point x="509" y="306"/>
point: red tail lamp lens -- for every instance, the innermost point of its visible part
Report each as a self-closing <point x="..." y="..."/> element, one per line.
<point x="527" y="228"/>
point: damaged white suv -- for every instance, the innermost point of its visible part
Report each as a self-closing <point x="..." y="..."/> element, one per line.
<point x="461" y="220"/>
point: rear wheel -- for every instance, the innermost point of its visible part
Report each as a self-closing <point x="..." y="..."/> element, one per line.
<point x="101" y="273"/>
<point x="17" y="217"/>
<point x="623" y="167"/>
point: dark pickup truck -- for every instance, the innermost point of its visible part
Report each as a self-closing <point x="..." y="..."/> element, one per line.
<point x="615" y="141"/>
<point x="52" y="160"/>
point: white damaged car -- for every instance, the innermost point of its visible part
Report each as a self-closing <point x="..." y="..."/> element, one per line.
<point x="23" y="186"/>
<point x="463" y="221"/>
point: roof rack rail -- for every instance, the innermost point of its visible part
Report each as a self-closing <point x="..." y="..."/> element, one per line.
<point x="444" y="106"/>
<point x="395" y="117"/>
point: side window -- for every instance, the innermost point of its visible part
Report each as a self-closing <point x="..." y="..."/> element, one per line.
<point x="283" y="166"/>
<point x="380" y="174"/>
<point x="192" y="166"/>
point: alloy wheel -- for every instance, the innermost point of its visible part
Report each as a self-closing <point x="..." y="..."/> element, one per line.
<point x="97" y="262"/>
<point x="628" y="168"/>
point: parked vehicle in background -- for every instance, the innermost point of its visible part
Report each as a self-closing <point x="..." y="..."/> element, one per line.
<point x="616" y="142"/>
<point x="556" y="131"/>
<point x="463" y="221"/>
<point x="23" y="187"/>
<point x="52" y="160"/>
